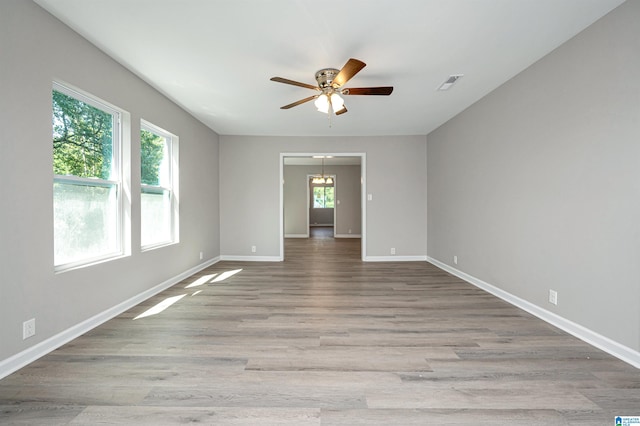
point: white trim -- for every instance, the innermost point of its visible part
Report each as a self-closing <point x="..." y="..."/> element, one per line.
<point x="251" y="258"/>
<point x="336" y="203"/>
<point x="322" y="225"/>
<point x="348" y="236"/>
<point x="296" y="236"/>
<point x="308" y="184"/>
<point x="363" y="203"/>
<point x="21" y="359"/>
<point x="281" y="219"/>
<point x="395" y="258"/>
<point x="363" y="206"/>
<point x="604" y="343"/>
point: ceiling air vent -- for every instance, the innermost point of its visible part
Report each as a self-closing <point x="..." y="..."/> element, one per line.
<point x="450" y="81"/>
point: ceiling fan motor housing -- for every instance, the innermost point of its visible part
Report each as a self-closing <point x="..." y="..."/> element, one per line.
<point x="325" y="77"/>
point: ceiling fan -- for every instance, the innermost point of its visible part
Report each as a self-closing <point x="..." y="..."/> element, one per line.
<point x="330" y="82"/>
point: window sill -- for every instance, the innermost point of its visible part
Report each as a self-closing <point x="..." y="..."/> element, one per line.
<point x="72" y="266"/>
<point x="157" y="246"/>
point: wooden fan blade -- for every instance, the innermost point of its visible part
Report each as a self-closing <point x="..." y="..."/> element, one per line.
<point x="342" y="111"/>
<point x="294" y="83"/>
<point x="351" y="68"/>
<point x="384" y="91"/>
<point x="301" y="101"/>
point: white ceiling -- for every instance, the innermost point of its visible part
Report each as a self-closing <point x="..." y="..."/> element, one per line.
<point x="215" y="57"/>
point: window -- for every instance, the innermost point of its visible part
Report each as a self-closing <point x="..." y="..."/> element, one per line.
<point x="158" y="201"/>
<point x="323" y="197"/>
<point x="87" y="183"/>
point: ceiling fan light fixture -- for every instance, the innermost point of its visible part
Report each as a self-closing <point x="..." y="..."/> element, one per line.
<point x="329" y="102"/>
<point x="322" y="103"/>
<point x="322" y="180"/>
<point x="337" y="103"/>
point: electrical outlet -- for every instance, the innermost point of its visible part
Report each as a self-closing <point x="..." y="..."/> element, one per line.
<point x="553" y="297"/>
<point x="455" y="259"/>
<point x="201" y="255"/>
<point x="28" y="328"/>
<point x="253" y="249"/>
<point x="393" y="250"/>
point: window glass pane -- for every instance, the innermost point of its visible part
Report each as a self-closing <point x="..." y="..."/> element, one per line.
<point x="153" y="155"/>
<point x="82" y="138"/>
<point x="157" y="209"/>
<point x="328" y="197"/>
<point x="318" y="197"/>
<point x="156" y="217"/>
<point x="85" y="221"/>
<point x="323" y="197"/>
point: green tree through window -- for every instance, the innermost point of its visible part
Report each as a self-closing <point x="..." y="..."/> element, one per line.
<point x="82" y="138"/>
<point x="151" y="156"/>
<point x="323" y="197"/>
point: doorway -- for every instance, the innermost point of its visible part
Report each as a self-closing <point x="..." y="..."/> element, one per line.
<point x="321" y="232"/>
<point x="352" y="204"/>
<point x="321" y="203"/>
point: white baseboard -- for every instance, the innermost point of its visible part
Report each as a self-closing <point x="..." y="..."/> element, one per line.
<point x="395" y="258"/>
<point x="604" y="343"/>
<point x="31" y="354"/>
<point x="251" y="258"/>
<point x="335" y="236"/>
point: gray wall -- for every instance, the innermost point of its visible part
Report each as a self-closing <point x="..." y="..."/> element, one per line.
<point x="249" y="191"/>
<point x="321" y="217"/>
<point x="348" y="211"/>
<point x="537" y="185"/>
<point x="36" y="49"/>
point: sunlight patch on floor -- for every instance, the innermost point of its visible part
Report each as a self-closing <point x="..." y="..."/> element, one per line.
<point x="223" y="276"/>
<point x="200" y="281"/>
<point x="160" y="306"/>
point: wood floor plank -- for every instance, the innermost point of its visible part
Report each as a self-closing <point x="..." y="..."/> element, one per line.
<point x="454" y="417"/>
<point x="323" y="338"/>
<point x="153" y="416"/>
<point x="260" y="397"/>
<point x="488" y="398"/>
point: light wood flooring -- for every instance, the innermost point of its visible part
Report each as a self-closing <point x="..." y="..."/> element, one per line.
<point x="323" y="339"/>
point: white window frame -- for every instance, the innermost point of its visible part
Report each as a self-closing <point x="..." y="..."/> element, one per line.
<point x="172" y="186"/>
<point x="116" y="179"/>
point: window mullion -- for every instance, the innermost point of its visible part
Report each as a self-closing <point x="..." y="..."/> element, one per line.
<point x="76" y="180"/>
